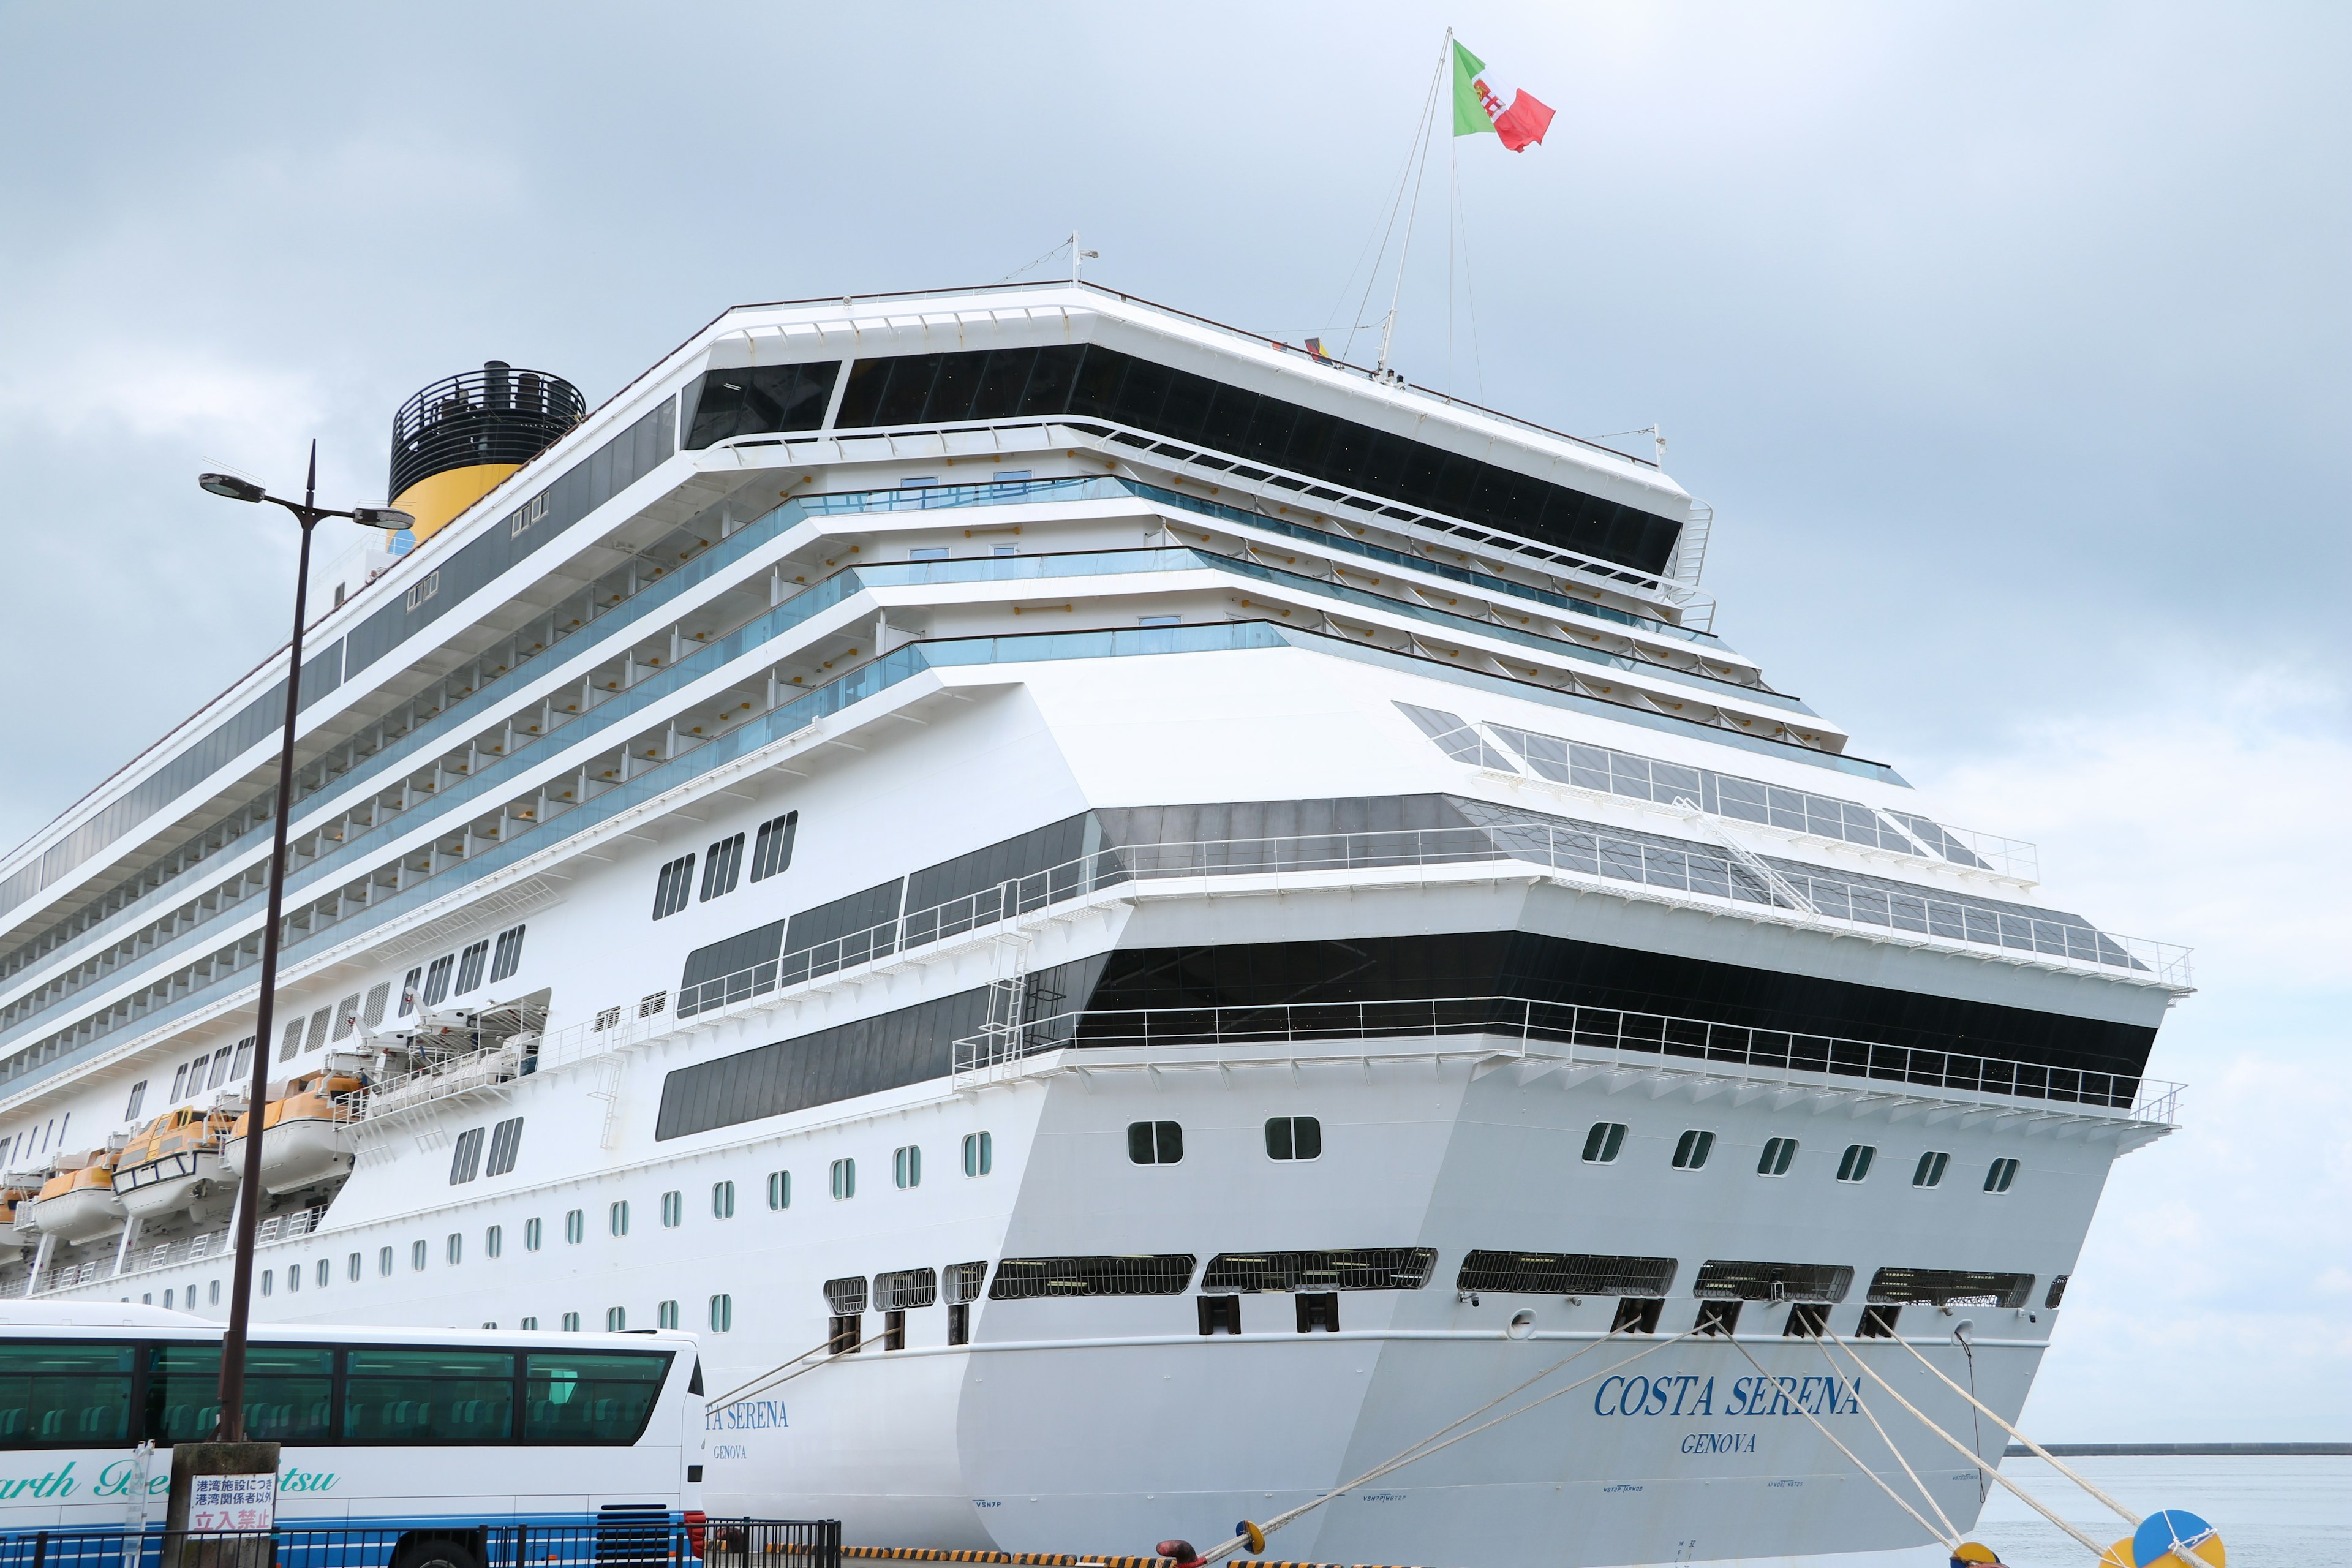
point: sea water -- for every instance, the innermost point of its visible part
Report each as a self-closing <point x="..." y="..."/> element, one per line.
<point x="2273" y="1512"/>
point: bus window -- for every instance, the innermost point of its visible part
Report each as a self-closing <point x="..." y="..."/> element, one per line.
<point x="591" y="1397"/>
<point x="64" y="1396"/>
<point x="288" y="1393"/>
<point x="429" y="1396"/>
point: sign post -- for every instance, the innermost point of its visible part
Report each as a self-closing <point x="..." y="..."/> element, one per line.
<point x="224" y="1505"/>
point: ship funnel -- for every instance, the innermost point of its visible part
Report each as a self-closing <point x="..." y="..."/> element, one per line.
<point x="454" y="440"/>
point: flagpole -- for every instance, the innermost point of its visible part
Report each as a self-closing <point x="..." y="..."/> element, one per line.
<point x="1388" y="326"/>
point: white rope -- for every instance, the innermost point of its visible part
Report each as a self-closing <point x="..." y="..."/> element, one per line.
<point x="1950" y="1541"/>
<point x="777" y="1374"/>
<point x="2126" y="1515"/>
<point x="1429" y="1445"/>
<point x="1953" y="1530"/>
<point x="1991" y="1471"/>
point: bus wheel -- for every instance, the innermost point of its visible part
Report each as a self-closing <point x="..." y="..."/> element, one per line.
<point x="436" y="1552"/>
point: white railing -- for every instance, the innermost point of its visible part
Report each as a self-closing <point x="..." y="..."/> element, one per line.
<point x="1597" y="1033"/>
<point x="1682" y="873"/>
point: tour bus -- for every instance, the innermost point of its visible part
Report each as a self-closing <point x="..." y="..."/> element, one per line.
<point x="379" y="1428"/>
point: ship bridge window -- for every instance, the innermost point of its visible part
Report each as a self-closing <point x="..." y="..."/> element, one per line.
<point x="721" y="864"/>
<point x="1139" y="1274"/>
<point x="1950" y="1286"/>
<point x="1356" y="1268"/>
<point x="1087" y="380"/>
<point x="1294" y="1138"/>
<point x="470" y="964"/>
<point x="1724" y="1280"/>
<point x="1692" y="1149"/>
<point x="1777" y="1154"/>
<point x="1155" y="1142"/>
<point x="1854" y="1164"/>
<point x="1604" y="1142"/>
<point x="674" y="887"/>
<point x="771" y="852"/>
<point x="1929" y="1172"/>
<point x="506" y="1144"/>
<point x="1999" y="1175"/>
<point x="1564" y="1274"/>
<point x="465" y="1161"/>
<point x="757" y="400"/>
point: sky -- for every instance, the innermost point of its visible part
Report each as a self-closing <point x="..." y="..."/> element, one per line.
<point x="2008" y="341"/>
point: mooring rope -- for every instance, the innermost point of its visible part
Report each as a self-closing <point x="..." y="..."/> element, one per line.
<point x="1949" y="1538"/>
<point x="1951" y="1530"/>
<point x="2126" y="1515"/>
<point x="1429" y="1445"/>
<point x="1990" y="1471"/>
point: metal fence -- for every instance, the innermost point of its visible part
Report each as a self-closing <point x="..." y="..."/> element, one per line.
<point x="655" y="1538"/>
<point x="1557" y="1023"/>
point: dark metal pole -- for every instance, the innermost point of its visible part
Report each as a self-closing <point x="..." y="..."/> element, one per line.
<point x="230" y="1427"/>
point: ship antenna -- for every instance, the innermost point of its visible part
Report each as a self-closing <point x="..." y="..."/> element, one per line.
<point x="1429" y="113"/>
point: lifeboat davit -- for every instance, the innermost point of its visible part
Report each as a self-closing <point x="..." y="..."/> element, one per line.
<point x="173" y="1166"/>
<point x="307" y="1132"/>
<point x="78" y="1205"/>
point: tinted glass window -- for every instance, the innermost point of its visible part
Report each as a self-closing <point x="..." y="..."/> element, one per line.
<point x="429" y="1397"/>
<point x="288" y="1393"/>
<point x="758" y="398"/>
<point x="64" y="1396"/>
<point x="591" y="1397"/>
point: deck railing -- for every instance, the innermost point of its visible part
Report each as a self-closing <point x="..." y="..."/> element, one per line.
<point x="1612" y="1034"/>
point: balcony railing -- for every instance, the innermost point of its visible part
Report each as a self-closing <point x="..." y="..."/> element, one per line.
<point x="1613" y="1034"/>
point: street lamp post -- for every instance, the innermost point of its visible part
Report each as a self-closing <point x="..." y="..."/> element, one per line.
<point x="307" y="512"/>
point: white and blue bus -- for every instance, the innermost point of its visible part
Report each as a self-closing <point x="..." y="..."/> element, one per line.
<point x="402" y="1432"/>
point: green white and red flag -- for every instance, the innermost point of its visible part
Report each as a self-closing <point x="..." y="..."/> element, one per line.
<point x="1482" y="103"/>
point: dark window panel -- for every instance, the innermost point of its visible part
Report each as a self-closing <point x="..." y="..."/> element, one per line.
<point x="905" y="400"/>
<point x="758" y="399"/>
<point x="1053" y="378"/>
<point x="863" y="398"/>
<point x="1002" y="380"/>
<point x="953" y="389"/>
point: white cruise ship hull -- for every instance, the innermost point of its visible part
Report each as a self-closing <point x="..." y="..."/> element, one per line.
<point x="1208" y="979"/>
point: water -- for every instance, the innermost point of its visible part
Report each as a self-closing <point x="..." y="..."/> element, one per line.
<point x="2273" y="1511"/>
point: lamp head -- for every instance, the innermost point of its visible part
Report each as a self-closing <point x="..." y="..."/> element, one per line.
<point x="232" y="487"/>
<point x="382" y="517"/>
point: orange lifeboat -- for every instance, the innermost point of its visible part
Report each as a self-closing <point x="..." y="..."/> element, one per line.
<point x="79" y="1203"/>
<point x="308" y="1131"/>
<point x="172" y="1165"/>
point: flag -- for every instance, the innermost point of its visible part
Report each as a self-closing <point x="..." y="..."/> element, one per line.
<point x="1483" y="103"/>
<point x="1315" y="347"/>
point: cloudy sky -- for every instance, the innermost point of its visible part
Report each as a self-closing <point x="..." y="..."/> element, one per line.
<point x="2008" y="342"/>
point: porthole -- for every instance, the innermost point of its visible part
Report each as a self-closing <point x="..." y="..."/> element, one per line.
<point x="617" y="1217"/>
<point x="780" y="1189"/>
<point x="616" y="1319"/>
<point x="907" y="1167"/>
<point x="1998" y="1176"/>
<point x="1692" y="1149"/>
<point x="1854" y="1165"/>
<point x="845" y="1179"/>
<point x="722" y="1313"/>
<point x="666" y="1315"/>
<point x="1777" y="1154"/>
<point x="979" y="1153"/>
<point x="530" y="1235"/>
<point x="1604" y="1142"/>
<point x="722" y="1200"/>
<point x="673" y="1210"/>
<point x="575" y="1226"/>
<point x="1155" y="1142"/>
<point x="494" y="1241"/>
<point x="1294" y="1138"/>
<point x="417" y="1252"/>
<point x="1929" y="1173"/>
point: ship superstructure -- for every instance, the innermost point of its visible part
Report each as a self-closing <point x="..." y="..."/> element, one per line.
<point x="1156" y="916"/>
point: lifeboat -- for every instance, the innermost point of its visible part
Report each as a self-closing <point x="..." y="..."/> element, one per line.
<point x="172" y="1166"/>
<point x="307" y="1131"/>
<point x="15" y="1202"/>
<point x="79" y="1203"/>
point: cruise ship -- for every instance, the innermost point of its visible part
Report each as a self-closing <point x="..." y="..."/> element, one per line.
<point x="1128" y="921"/>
